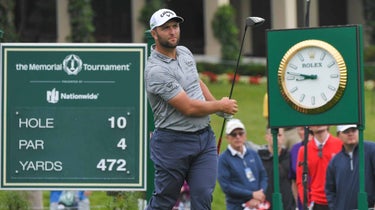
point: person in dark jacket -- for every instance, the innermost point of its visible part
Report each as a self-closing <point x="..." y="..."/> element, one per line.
<point x="266" y="155"/>
<point x="342" y="179"/>
<point x="241" y="174"/>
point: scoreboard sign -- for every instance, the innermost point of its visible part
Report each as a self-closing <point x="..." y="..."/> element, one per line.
<point x="73" y="116"/>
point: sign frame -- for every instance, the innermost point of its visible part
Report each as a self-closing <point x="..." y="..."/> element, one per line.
<point x="348" y="41"/>
<point x="102" y="72"/>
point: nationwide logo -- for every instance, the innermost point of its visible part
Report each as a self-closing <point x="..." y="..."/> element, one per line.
<point x="54" y="96"/>
<point x="72" y="64"/>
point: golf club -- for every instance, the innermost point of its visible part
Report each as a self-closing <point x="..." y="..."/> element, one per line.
<point x="252" y="22"/>
<point x="305" y="139"/>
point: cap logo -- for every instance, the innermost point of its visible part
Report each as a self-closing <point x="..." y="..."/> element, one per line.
<point x="167" y="13"/>
<point x="162" y="16"/>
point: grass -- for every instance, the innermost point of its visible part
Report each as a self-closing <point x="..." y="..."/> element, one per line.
<point x="250" y="101"/>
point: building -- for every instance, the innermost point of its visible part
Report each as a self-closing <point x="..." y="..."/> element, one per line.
<point x="117" y="21"/>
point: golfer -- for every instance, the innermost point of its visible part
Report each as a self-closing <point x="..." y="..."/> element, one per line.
<point x="183" y="146"/>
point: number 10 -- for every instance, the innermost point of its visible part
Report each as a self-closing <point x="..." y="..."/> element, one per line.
<point x="120" y="122"/>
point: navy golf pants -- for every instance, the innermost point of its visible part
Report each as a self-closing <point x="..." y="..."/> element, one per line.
<point x="180" y="156"/>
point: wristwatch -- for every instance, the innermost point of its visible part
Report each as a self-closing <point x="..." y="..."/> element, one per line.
<point x="312" y="76"/>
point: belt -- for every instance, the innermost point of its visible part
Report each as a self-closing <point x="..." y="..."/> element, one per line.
<point x="198" y="132"/>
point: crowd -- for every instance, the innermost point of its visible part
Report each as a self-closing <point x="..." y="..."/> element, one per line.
<point x="183" y="145"/>
<point x="327" y="180"/>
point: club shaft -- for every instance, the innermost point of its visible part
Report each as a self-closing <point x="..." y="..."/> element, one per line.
<point x="307" y="16"/>
<point x="238" y="62"/>
<point x="231" y="89"/>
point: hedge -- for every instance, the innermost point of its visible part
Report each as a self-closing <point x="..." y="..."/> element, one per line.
<point x="256" y="69"/>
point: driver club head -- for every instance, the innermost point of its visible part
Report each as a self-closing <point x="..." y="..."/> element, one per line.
<point x="254" y="21"/>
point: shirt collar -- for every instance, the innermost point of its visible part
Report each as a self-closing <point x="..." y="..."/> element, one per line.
<point x="235" y="152"/>
<point x="162" y="57"/>
<point x="317" y="143"/>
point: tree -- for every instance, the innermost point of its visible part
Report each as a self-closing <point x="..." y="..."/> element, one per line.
<point x="148" y="9"/>
<point x="7" y="21"/>
<point x="369" y="15"/>
<point x="81" y="21"/>
<point x="226" y="31"/>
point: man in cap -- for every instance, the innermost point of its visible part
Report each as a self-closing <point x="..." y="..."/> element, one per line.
<point x="342" y="180"/>
<point x="242" y="176"/>
<point x="183" y="146"/>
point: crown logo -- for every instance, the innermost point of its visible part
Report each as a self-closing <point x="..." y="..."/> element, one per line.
<point x="311" y="54"/>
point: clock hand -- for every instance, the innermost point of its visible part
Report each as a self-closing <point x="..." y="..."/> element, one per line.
<point x="305" y="76"/>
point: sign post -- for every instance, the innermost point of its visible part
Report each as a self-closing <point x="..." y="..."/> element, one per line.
<point x="73" y="116"/>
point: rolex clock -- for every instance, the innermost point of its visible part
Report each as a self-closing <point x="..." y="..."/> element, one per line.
<point x="312" y="76"/>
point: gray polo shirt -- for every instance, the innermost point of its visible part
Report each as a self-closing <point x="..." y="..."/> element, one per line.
<point x="164" y="79"/>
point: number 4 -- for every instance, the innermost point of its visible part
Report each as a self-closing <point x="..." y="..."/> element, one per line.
<point x="101" y="165"/>
<point x="122" y="144"/>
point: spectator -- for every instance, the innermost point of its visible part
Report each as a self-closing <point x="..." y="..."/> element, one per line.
<point x="183" y="202"/>
<point x="266" y="155"/>
<point x="69" y="199"/>
<point x="342" y="182"/>
<point x="241" y="175"/>
<point x="320" y="149"/>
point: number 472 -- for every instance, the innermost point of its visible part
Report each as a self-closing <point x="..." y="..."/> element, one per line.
<point x="111" y="164"/>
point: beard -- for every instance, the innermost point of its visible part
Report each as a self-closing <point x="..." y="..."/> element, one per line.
<point x="167" y="44"/>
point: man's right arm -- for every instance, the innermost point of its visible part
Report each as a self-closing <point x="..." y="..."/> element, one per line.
<point x="198" y="108"/>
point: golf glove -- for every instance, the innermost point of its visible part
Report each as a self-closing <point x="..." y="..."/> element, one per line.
<point x="224" y="115"/>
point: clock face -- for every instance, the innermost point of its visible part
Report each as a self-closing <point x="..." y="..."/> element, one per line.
<point x="312" y="76"/>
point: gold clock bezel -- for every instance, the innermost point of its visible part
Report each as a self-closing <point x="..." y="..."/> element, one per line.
<point x="285" y="61"/>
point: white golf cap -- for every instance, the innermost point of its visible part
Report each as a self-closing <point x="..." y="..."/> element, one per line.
<point x="341" y="128"/>
<point x="162" y="16"/>
<point x="234" y="124"/>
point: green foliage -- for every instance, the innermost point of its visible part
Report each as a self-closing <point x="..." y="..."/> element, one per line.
<point x="108" y="200"/>
<point x="369" y="15"/>
<point x="226" y="31"/>
<point x="13" y="200"/>
<point x="7" y="21"/>
<point x="81" y="21"/>
<point x="369" y="54"/>
<point x="148" y="9"/>
<point x="369" y="71"/>
<point x="125" y="200"/>
<point x="369" y="59"/>
<point x="250" y="69"/>
<point x="256" y="69"/>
